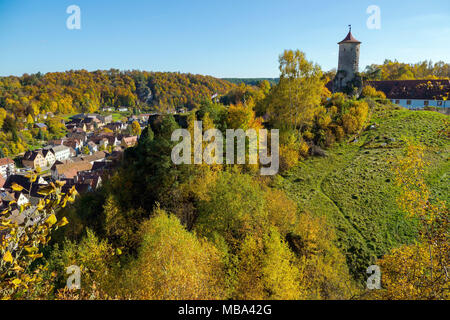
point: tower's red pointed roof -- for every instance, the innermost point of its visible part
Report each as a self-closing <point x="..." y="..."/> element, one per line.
<point x="349" y="39"/>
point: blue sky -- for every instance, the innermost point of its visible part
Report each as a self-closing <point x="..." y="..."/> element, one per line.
<point x="233" y="38"/>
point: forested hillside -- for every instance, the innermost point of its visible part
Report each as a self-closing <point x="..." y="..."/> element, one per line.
<point x="23" y="99"/>
<point x="83" y="91"/>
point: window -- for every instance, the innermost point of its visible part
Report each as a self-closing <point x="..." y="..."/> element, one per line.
<point x="426" y="103"/>
<point x="439" y="103"/>
<point x="408" y="102"/>
<point x="397" y="101"/>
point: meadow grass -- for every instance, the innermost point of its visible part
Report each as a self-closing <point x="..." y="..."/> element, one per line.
<point x="354" y="186"/>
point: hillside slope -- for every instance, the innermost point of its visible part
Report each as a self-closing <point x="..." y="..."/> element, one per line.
<point x="354" y="185"/>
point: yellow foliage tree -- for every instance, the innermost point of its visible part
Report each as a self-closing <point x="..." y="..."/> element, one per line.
<point x="173" y="264"/>
<point x="418" y="271"/>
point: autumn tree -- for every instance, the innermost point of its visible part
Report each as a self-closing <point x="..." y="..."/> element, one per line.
<point x="420" y="270"/>
<point x="267" y="269"/>
<point x="21" y="241"/>
<point x="298" y="93"/>
<point x="173" y="264"/>
<point x="135" y="128"/>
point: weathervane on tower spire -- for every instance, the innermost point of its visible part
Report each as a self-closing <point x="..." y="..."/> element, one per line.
<point x="350" y="27"/>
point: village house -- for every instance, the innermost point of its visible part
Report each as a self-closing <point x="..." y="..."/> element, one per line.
<point x="61" y="152"/>
<point x="21" y="198"/>
<point x="105" y="119"/>
<point x="49" y="157"/>
<point x="56" y="142"/>
<point x="76" y="125"/>
<point x="98" y="156"/>
<point x="69" y="170"/>
<point x="74" y="144"/>
<point x="92" y="122"/>
<point x="92" y="147"/>
<point x="80" y="136"/>
<point x="7" y="167"/>
<point x="111" y="138"/>
<point x="415" y="94"/>
<point x="101" y="141"/>
<point x="84" y="181"/>
<point x="30" y="192"/>
<point x="41" y="126"/>
<point x="5" y="198"/>
<point x="34" y="159"/>
<point x="117" y="126"/>
<point x="128" y="142"/>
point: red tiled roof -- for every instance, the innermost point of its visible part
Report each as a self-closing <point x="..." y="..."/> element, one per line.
<point x="413" y="89"/>
<point x="5" y="161"/>
<point x="349" y="39"/>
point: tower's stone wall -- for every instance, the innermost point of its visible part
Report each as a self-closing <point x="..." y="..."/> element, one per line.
<point x="349" y="59"/>
<point x="348" y="66"/>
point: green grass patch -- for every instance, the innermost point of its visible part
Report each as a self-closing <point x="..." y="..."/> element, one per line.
<point x="354" y="186"/>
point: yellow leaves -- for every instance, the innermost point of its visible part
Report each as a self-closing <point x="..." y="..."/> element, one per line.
<point x="60" y="183"/>
<point x="51" y="220"/>
<point x="63" y="222"/>
<point x="16" y="187"/>
<point x="16" y="282"/>
<point x="35" y="256"/>
<point x="30" y="176"/>
<point x="31" y="249"/>
<point x="7" y="257"/>
<point x="41" y="205"/>
<point x="46" y="190"/>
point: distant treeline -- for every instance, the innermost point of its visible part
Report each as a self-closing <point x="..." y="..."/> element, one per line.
<point x="251" y="81"/>
<point x="394" y="70"/>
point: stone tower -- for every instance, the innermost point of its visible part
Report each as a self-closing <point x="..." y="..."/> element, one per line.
<point x="347" y="75"/>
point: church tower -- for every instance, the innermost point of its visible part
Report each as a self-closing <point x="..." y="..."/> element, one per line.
<point x="348" y="66"/>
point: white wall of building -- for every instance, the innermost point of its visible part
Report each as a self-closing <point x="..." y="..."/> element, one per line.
<point x="420" y="104"/>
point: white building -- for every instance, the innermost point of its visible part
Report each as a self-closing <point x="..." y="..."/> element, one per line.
<point x="415" y="94"/>
<point x="421" y="103"/>
<point x="7" y="167"/>
<point x="61" y="152"/>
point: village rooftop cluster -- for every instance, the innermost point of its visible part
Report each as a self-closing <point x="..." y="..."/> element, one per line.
<point x="92" y="148"/>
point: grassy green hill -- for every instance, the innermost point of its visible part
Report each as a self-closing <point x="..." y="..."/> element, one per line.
<point x="354" y="185"/>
